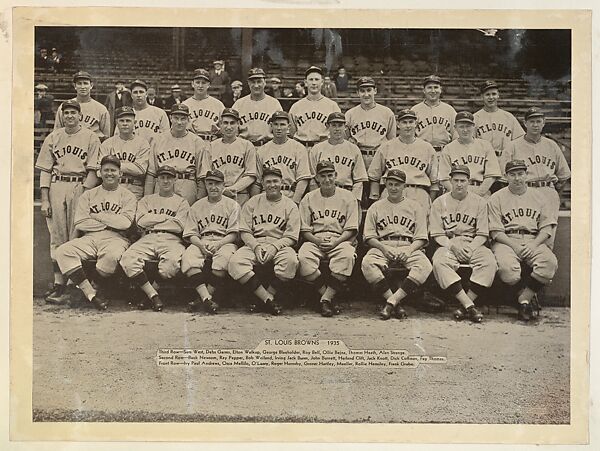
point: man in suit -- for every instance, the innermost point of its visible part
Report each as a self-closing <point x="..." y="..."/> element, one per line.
<point x="219" y="78"/>
<point x="153" y="100"/>
<point x="173" y="99"/>
<point x="233" y="94"/>
<point x="115" y="100"/>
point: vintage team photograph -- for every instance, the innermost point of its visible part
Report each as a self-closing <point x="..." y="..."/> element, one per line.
<point x="302" y="225"/>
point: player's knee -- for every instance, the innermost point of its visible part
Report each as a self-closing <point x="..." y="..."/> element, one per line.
<point x="510" y="274"/>
<point x="167" y="269"/>
<point x="237" y="268"/>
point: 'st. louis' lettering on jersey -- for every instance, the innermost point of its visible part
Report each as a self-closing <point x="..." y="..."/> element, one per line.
<point x="371" y="128"/>
<point x="405" y="219"/>
<point x="544" y="159"/>
<point x="133" y="153"/>
<point x="164" y="213"/>
<point x="184" y="154"/>
<point x="333" y="214"/>
<point x="69" y="154"/>
<point x="346" y="158"/>
<point x="204" y="114"/>
<point x="255" y="116"/>
<point x="94" y="116"/>
<point x="435" y="124"/>
<point x="98" y="207"/>
<point x="289" y="157"/>
<point x="310" y="118"/>
<point x="530" y="211"/>
<point x="149" y="123"/>
<point x="498" y="127"/>
<point x="477" y="155"/>
<point x="235" y="160"/>
<point x="221" y="218"/>
<point x="275" y="219"/>
<point x="453" y="217"/>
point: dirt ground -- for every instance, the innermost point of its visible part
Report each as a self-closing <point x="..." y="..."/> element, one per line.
<point x="90" y="366"/>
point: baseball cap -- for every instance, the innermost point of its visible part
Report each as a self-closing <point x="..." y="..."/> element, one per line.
<point x="365" y="82"/>
<point x="138" y="82"/>
<point x="396" y="174"/>
<point x="256" y="72"/>
<point x="432" y="79"/>
<point x="514" y="165"/>
<point x="236" y="83"/>
<point x="71" y="103"/>
<point x="272" y="171"/>
<point x="221" y="62"/>
<point x="464" y="116"/>
<point x="312" y="69"/>
<point x="460" y="169"/>
<point x="124" y="111"/>
<point x="175" y="88"/>
<point x="82" y="75"/>
<point x="407" y="113"/>
<point x="231" y="113"/>
<point x="336" y="116"/>
<point x="180" y="108"/>
<point x="275" y="80"/>
<point x="533" y="112"/>
<point x="325" y="166"/>
<point x="201" y="73"/>
<point x="488" y="84"/>
<point x="168" y="170"/>
<point x="110" y="159"/>
<point x="41" y="87"/>
<point x="215" y="174"/>
<point x="279" y="115"/>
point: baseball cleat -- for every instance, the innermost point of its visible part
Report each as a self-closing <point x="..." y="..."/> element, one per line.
<point x="99" y="304"/>
<point x="252" y="308"/>
<point x="326" y="310"/>
<point x="386" y="313"/>
<point x="273" y="307"/>
<point x="474" y="315"/>
<point x="193" y="305"/>
<point x="57" y="295"/>
<point x="157" y="304"/>
<point x="400" y="313"/>
<point x="211" y="306"/>
<point x="525" y="312"/>
<point x="460" y="314"/>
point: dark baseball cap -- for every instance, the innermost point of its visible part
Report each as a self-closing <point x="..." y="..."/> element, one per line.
<point x="396" y="174"/>
<point x="488" y="84"/>
<point x="325" y="166"/>
<point x="71" y="103"/>
<point x="82" y="75"/>
<point x="256" y="72"/>
<point x="272" y="171"/>
<point x="312" y="69"/>
<point x="124" y="111"/>
<point x="279" y="115"/>
<point x="231" y="113"/>
<point x="464" y="116"/>
<point x="460" y="169"/>
<point x="168" y="170"/>
<point x="336" y="116"/>
<point x="180" y="108"/>
<point x="514" y="165"/>
<point x="215" y="174"/>
<point x="407" y="113"/>
<point x="110" y="159"/>
<point x="365" y="82"/>
<point x="138" y="82"/>
<point x="432" y="79"/>
<point x="533" y="112"/>
<point x="201" y="73"/>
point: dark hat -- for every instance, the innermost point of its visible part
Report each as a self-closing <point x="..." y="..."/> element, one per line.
<point x="464" y="116"/>
<point x="180" y="108"/>
<point x="124" y="111"/>
<point x="272" y="171"/>
<point x="110" y="159"/>
<point x="279" y="115"/>
<point x="396" y="174"/>
<point x="336" y="116"/>
<point x="514" y="165"/>
<point x="432" y="79"/>
<point x="256" y="72"/>
<point x="175" y="88"/>
<point x="215" y="174"/>
<point x="325" y="166"/>
<point x="138" y="82"/>
<point x="231" y="113"/>
<point x="312" y="69"/>
<point x="201" y="73"/>
<point x="407" y="113"/>
<point x="533" y="112"/>
<point x="82" y="75"/>
<point x="168" y="170"/>
<point x="460" y="169"/>
<point x="365" y="82"/>
<point x="71" y="103"/>
<point x="488" y="84"/>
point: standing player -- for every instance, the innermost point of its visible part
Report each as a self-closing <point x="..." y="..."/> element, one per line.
<point x="309" y="114"/>
<point x="396" y="232"/>
<point x="473" y="152"/>
<point x="103" y="215"/>
<point x="212" y="229"/>
<point x="329" y="218"/>
<point x="458" y="222"/>
<point x="345" y="156"/>
<point x="161" y="217"/>
<point x="369" y="124"/>
<point x="521" y="222"/>
<point x="66" y="161"/>
<point x="205" y="110"/>
<point x="288" y="155"/>
<point x="94" y="115"/>
<point x="256" y="109"/>
<point x="131" y="149"/>
<point x="183" y="151"/>
<point x="269" y="227"/>
<point x="414" y="156"/>
<point x="233" y="156"/>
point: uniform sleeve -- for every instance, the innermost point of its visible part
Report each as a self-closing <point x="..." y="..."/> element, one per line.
<point x="206" y="160"/>
<point x="508" y="154"/>
<point x="483" y="228"/>
<point x="277" y="104"/>
<point x="392" y="127"/>
<point x="191" y="225"/>
<point x="104" y="120"/>
<point x="246" y="216"/>
<point x="370" y="230"/>
<point x="250" y="160"/>
<point x="352" y="209"/>
<point x="201" y="151"/>
<point x="143" y="155"/>
<point x="259" y="165"/>
<point x="436" y="227"/>
<point x="421" y="224"/>
<point x="82" y="220"/>
<point x="305" y="220"/>
<point x="92" y="162"/>
<point x="104" y="150"/>
<point x="432" y="170"/>
<point x="562" y="167"/>
<point x="517" y="130"/>
<point x="183" y="211"/>
<point x="45" y="159"/>
<point x="163" y="122"/>
<point x="492" y="166"/>
<point x="233" y="222"/>
<point x="292" y="227"/>
<point x="336" y="107"/>
<point x="453" y="131"/>
<point x="129" y="205"/>
<point x="359" y="171"/>
<point x="303" y="171"/>
<point x="377" y="166"/>
<point x="141" y="211"/>
<point x="313" y="155"/>
<point x="548" y="214"/>
<point x="494" y="214"/>
<point x="445" y="166"/>
<point x="152" y="163"/>
<point x="58" y="119"/>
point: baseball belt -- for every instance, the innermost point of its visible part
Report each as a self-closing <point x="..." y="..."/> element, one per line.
<point x="438" y="148"/>
<point x="131" y="181"/>
<point x="521" y="233"/>
<point x="288" y="187"/>
<point x="220" y="235"/>
<point x="540" y="184"/>
<point x="410" y="185"/>
<point x="206" y="136"/>
<point x="67" y="178"/>
<point x="474" y="182"/>
<point x="347" y="187"/>
<point x="396" y="238"/>
<point x="185" y="176"/>
<point x="368" y="151"/>
<point x="261" y="142"/>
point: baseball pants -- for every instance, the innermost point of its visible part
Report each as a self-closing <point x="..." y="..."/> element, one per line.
<point x="63" y="201"/>
<point x="543" y="262"/>
<point x="106" y="246"/>
<point x="193" y="258"/>
<point x="341" y="258"/>
<point x="165" y="247"/>
<point x="482" y="261"/>
<point x="242" y="262"/>
<point x="375" y="263"/>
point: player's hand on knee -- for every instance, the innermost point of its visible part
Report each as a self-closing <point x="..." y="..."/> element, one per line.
<point x="46" y="209"/>
<point x="402" y="256"/>
<point x="387" y="253"/>
<point x="528" y="250"/>
<point x="203" y="248"/>
<point x="270" y="252"/>
<point x="260" y="253"/>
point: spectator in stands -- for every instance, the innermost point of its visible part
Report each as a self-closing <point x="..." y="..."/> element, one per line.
<point x="219" y="78"/>
<point x="43" y="106"/>
<point x="299" y="90"/>
<point x="153" y="100"/>
<point x="233" y="94"/>
<point x="174" y="98"/>
<point x="286" y="101"/>
<point x="42" y="61"/>
<point x="328" y="89"/>
<point x="342" y="80"/>
<point x="56" y="61"/>
<point x="274" y="90"/>
<point x="115" y="100"/>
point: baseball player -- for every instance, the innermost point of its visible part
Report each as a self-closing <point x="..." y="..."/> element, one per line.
<point x="269" y="227"/>
<point x="414" y="156"/>
<point x="181" y="150"/>
<point x="66" y="161"/>
<point x="458" y="222"/>
<point x="212" y="228"/>
<point x="103" y="215"/>
<point x="369" y="124"/>
<point x="235" y="157"/>
<point x="547" y="168"/>
<point x="256" y="109"/>
<point x="94" y="115"/>
<point x="161" y="216"/>
<point x="521" y="222"/>
<point x="396" y="231"/>
<point x="329" y="218"/>
<point x="309" y="114"/>
<point x="345" y="156"/>
<point x="473" y="152"/>
<point x="205" y="110"/>
<point x="286" y="154"/>
<point x="129" y="147"/>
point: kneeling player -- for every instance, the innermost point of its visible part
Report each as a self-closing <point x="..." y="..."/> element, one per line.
<point x="521" y="221"/>
<point x="212" y="228"/>
<point x="161" y="216"/>
<point x="269" y="227"/>
<point x="396" y="231"/>
<point x="458" y="222"/>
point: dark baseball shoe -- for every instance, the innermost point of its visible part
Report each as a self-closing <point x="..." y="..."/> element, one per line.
<point x="211" y="306"/>
<point x="326" y="309"/>
<point x="386" y="313"/>
<point x="400" y="313"/>
<point x="474" y="315"/>
<point x="336" y="308"/>
<point x="273" y="307"/>
<point x="100" y="304"/>
<point x="525" y="312"/>
<point x="56" y="295"/>
<point x="460" y="314"/>
<point x="157" y="304"/>
<point x="253" y="308"/>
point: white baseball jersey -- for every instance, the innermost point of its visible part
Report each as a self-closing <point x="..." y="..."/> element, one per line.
<point x="149" y="123"/>
<point x="405" y="219"/>
<point x="478" y="155"/>
<point x="371" y="128"/>
<point x="346" y="158"/>
<point x="235" y="160"/>
<point x="289" y="157"/>
<point x="204" y="114"/>
<point x="435" y="124"/>
<point x="222" y="217"/>
<point x="452" y="217"/>
<point x="255" y="116"/>
<point x="499" y="128"/>
<point x="334" y="214"/>
<point x="310" y="118"/>
<point x="525" y="212"/>
<point x="133" y="153"/>
<point x="167" y="214"/>
<point x="544" y="159"/>
<point x="94" y="116"/>
<point x="107" y="205"/>
<point x="264" y="218"/>
<point x="184" y="154"/>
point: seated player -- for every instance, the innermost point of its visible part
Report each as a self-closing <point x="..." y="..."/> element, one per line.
<point x="329" y="218"/>
<point x="458" y="222"/>
<point x="212" y="229"/>
<point x="396" y="232"/>
<point x="103" y="215"/>
<point x="521" y="222"/>
<point x="269" y="227"/>
<point x="161" y="216"/>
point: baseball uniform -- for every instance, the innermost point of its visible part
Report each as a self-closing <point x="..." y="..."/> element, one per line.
<point x="461" y="220"/>
<point x="290" y="157"/>
<point x="435" y="124"/>
<point x="310" y="119"/>
<point x="370" y="128"/>
<point x="204" y="116"/>
<point x="499" y="128"/>
<point x="149" y="123"/>
<point x="94" y="116"/>
<point x="254" y="117"/>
